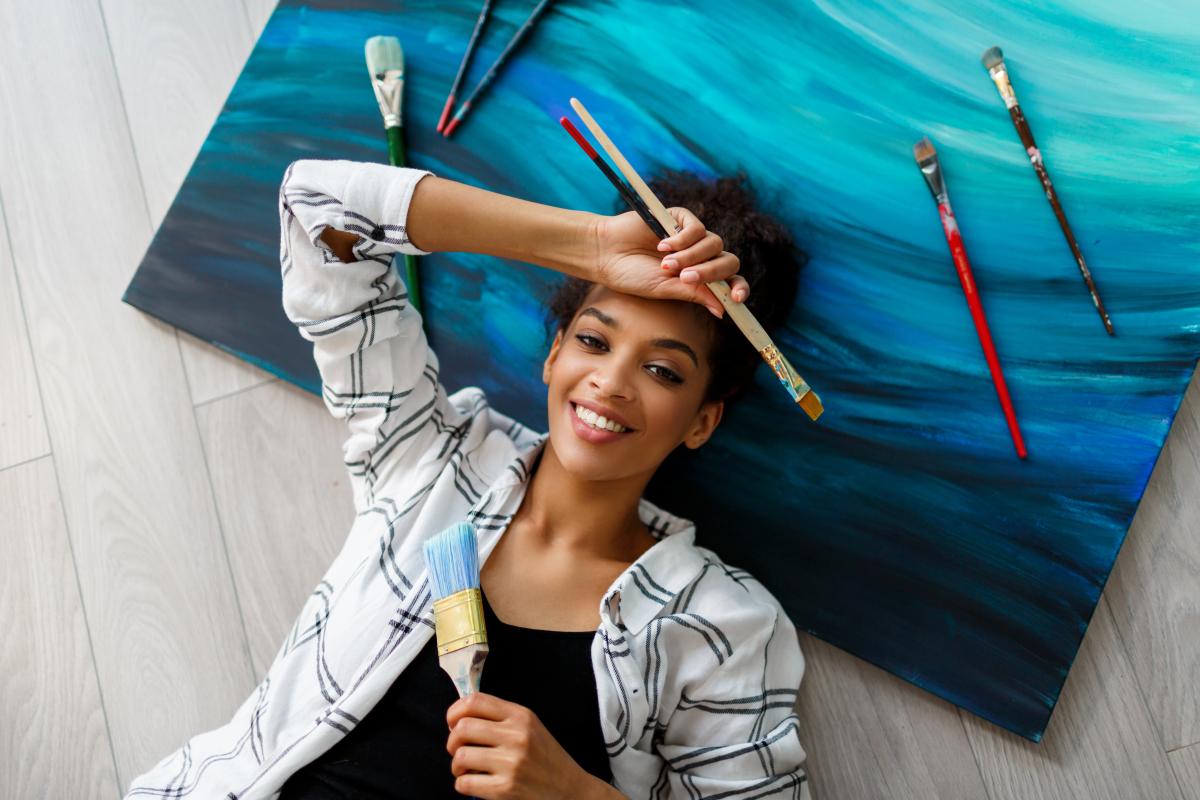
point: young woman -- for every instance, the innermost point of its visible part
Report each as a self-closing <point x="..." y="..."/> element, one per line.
<point x="625" y="660"/>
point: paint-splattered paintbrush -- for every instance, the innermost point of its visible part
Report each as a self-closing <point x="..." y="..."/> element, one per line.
<point x="927" y="160"/>
<point x="993" y="60"/>
<point x="799" y="390"/>
<point x="462" y="65"/>
<point x="385" y="63"/>
<point x="487" y="79"/>
<point x="453" y="560"/>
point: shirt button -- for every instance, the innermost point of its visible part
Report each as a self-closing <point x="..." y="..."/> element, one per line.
<point x="377" y="233"/>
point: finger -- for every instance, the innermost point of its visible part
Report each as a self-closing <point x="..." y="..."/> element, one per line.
<point x="709" y="247"/>
<point x="691" y="230"/>
<point x="674" y="290"/>
<point x="481" y="786"/>
<point x="475" y="759"/>
<point x="473" y="731"/>
<point x="479" y="704"/>
<point x="739" y="289"/>
<point x="715" y="269"/>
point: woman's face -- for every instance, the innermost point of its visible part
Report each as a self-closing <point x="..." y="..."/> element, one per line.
<point x="642" y="363"/>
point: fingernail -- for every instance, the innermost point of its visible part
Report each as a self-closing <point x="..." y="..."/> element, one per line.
<point x="663" y="245"/>
<point x="670" y="263"/>
<point x="689" y="276"/>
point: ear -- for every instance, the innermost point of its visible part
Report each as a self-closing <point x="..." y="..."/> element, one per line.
<point x="552" y="357"/>
<point x="706" y="421"/>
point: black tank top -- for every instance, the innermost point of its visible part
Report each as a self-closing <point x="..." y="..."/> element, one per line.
<point x="399" y="748"/>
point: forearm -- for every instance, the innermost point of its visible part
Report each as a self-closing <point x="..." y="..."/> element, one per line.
<point x="447" y="216"/>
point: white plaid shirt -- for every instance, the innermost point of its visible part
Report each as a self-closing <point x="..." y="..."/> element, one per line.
<point x="696" y="665"/>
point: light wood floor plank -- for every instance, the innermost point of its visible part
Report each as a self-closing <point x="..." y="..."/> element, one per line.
<point x="22" y="426"/>
<point x="1186" y="763"/>
<point x="54" y="741"/>
<point x="275" y="455"/>
<point x="213" y="373"/>
<point x="1154" y="590"/>
<point x="177" y="62"/>
<point x="1100" y="744"/>
<point x="169" y="644"/>
<point x="870" y="735"/>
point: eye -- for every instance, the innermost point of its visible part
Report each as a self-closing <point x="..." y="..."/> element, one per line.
<point x="588" y="340"/>
<point x="666" y="374"/>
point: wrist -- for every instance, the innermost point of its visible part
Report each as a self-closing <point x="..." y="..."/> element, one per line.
<point x="571" y="246"/>
<point x="597" y="789"/>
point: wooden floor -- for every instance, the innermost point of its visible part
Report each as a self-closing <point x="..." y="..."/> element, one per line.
<point x="145" y="478"/>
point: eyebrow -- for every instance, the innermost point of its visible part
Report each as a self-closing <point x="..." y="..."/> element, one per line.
<point x="669" y="344"/>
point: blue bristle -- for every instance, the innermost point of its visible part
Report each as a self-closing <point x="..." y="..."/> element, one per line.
<point x="453" y="560"/>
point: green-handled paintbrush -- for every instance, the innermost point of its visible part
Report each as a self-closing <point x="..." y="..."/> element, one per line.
<point x="385" y="62"/>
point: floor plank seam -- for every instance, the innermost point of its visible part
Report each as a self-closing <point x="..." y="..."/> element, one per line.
<point x="270" y="380"/>
<point x="26" y="462"/>
<point x="1112" y="617"/>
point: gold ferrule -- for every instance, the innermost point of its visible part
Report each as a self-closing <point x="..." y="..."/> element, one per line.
<point x="1000" y="78"/>
<point x="459" y="621"/>
<point x="796" y="386"/>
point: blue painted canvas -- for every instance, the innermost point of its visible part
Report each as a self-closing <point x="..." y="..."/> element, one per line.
<point x="901" y="527"/>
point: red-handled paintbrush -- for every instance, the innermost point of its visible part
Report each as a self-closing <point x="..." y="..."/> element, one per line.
<point x="927" y="160"/>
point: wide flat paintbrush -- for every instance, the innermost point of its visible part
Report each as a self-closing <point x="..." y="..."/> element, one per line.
<point x="453" y="560"/>
<point x="385" y="63"/>
<point x="993" y="60"/>
<point x="799" y="390"/>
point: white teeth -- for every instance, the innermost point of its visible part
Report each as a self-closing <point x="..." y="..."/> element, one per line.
<point x="596" y="421"/>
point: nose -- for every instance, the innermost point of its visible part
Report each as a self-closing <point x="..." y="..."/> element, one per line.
<point x="613" y="379"/>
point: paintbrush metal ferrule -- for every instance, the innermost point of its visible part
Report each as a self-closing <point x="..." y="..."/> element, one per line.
<point x="931" y="170"/>
<point x="459" y="621"/>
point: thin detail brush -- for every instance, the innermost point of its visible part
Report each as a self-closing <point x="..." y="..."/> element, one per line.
<point x="385" y="63"/>
<point x="993" y="61"/>
<point x="931" y="169"/>
<point x="487" y="79"/>
<point x="462" y="65"/>
<point x="627" y="194"/>
<point x="799" y="390"/>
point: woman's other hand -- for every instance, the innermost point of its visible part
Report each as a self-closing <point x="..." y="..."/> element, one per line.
<point x="501" y="751"/>
<point x="630" y="259"/>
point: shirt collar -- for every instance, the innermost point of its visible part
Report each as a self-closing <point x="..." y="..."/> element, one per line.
<point x="656" y="577"/>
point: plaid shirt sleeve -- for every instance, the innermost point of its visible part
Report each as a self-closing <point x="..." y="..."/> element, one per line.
<point x="377" y="370"/>
<point x="734" y="734"/>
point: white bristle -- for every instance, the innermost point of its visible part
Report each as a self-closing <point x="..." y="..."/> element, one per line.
<point x="384" y="53"/>
<point x="453" y="560"/>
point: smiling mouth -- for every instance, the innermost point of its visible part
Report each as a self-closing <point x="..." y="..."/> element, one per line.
<point x="593" y="420"/>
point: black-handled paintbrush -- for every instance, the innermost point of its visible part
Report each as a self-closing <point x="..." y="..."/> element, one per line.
<point x="993" y="60"/>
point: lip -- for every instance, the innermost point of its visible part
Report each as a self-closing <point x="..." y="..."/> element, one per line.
<point x="590" y="434"/>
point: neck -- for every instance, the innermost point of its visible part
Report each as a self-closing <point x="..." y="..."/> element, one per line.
<point x="598" y="519"/>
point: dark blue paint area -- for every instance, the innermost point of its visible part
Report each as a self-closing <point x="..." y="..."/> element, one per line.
<point x="901" y="527"/>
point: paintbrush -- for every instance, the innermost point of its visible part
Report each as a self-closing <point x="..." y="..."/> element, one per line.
<point x="453" y="560"/>
<point x="462" y="66"/>
<point x="931" y="169"/>
<point x="993" y="60"/>
<point x="796" y="386"/>
<point x="385" y="63"/>
<point x="627" y="194"/>
<point x="487" y="79"/>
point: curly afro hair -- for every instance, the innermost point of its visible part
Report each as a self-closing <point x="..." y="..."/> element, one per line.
<point x="769" y="259"/>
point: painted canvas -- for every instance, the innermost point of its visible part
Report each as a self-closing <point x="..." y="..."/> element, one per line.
<point x="901" y="527"/>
